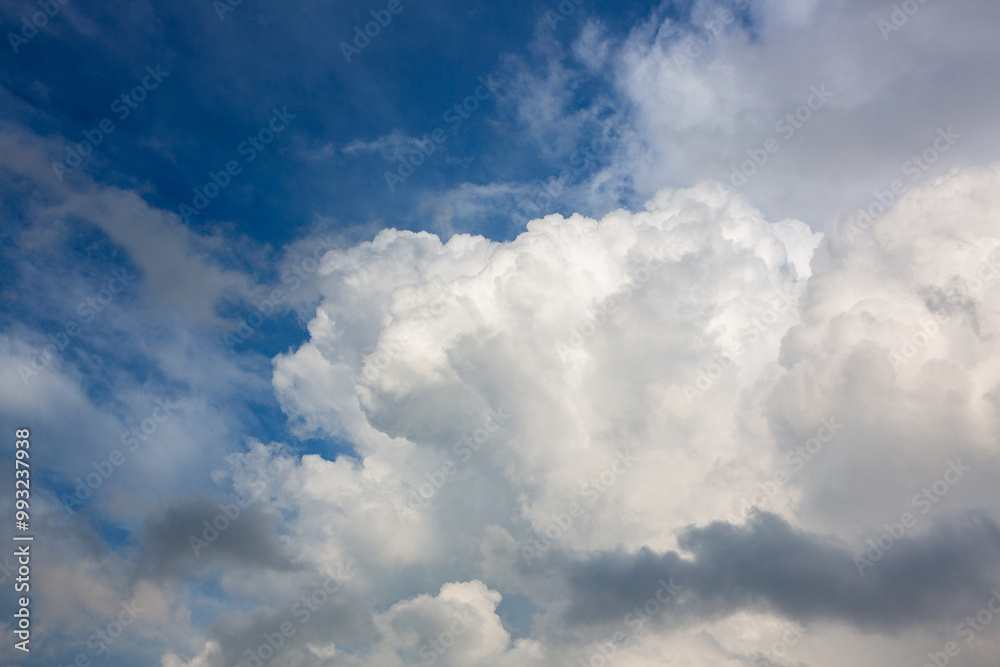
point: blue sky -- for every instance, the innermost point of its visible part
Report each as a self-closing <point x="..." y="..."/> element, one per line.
<point x="226" y="75"/>
<point x="640" y="325"/>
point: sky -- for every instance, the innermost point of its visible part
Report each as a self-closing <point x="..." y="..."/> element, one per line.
<point x="409" y="333"/>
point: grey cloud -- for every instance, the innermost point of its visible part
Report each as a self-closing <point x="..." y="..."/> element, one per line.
<point x="314" y="617"/>
<point x="769" y="565"/>
<point x="250" y="540"/>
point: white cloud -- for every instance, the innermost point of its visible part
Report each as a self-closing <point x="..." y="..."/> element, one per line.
<point x="700" y="90"/>
<point x="700" y="115"/>
<point x="538" y="419"/>
<point x="411" y="329"/>
<point x="415" y="338"/>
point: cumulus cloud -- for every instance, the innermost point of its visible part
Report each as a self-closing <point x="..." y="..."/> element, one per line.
<point x="532" y="412"/>
<point x="711" y="91"/>
<point x="419" y="338"/>
<point x="560" y="415"/>
<point x="769" y="566"/>
<point x="206" y="531"/>
<point x="750" y="417"/>
<point x="704" y="86"/>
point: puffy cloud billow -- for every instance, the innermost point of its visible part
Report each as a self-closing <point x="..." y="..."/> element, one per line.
<point x="598" y="405"/>
<point x="675" y="418"/>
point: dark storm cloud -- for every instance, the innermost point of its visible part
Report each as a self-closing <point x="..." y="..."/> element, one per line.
<point x="191" y="533"/>
<point x="769" y="565"/>
<point x="321" y="611"/>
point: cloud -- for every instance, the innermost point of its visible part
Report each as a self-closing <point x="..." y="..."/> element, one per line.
<point x="770" y="566"/>
<point x="691" y="338"/>
<point x="184" y="271"/>
<point x="701" y="88"/>
<point x="741" y="387"/>
<point x="458" y="626"/>
<point x="413" y="335"/>
<point x="504" y="394"/>
<point x="194" y="533"/>
<point x="308" y="620"/>
<point x="389" y="146"/>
